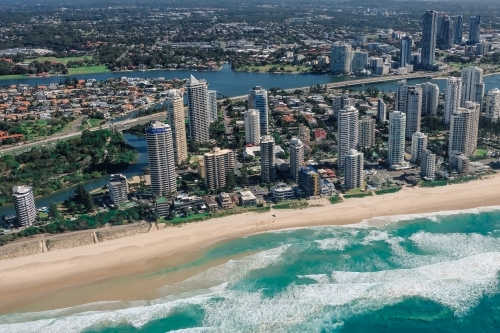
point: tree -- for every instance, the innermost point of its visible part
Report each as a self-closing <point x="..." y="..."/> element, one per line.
<point x="54" y="212"/>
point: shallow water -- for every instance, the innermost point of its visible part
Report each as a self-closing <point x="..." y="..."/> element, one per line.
<point x="430" y="272"/>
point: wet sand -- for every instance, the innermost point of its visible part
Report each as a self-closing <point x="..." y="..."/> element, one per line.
<point x="133" y="268"/>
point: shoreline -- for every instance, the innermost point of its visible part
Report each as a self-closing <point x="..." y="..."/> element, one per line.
<point x="26" y="281"/>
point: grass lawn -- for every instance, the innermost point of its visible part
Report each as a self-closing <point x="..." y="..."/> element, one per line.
<point x="13" y="77"/>
<point x="295" y="204"/>
<point x="93" y="122"/>
<point x="63" y="61"/>
<point x="191" y="218"/>
<point x="357" y="195"/>
<point x="335" y="199"/>
<point x="433" y="183"/>
<point x="480" y="152"/>
<point x="87" y="70"/>
<point x="387" y="190"/>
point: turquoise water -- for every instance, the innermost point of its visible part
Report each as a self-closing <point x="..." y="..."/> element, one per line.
<point x="419" y="273"/>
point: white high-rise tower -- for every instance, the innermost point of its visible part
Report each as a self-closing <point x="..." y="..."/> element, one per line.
<point x="199" y="117"/>
<point x="452" y="97"/>
<point x="24" y="203"/>
<point x="296" y="157"/>
<point x="212" y="105"/>
<point x="418" y="145"/>
<point x="161" y="159"/>
<point x="464" y="125"/>
<point x="492" y="108"/>
<point x="267" y="159"/>
<point x="472" y="85"/>
<point x="348" y="131"/>
<point x="353" y="176"/>
<point x="252" y="127"/>
<point x="397" y="127"/>
<point x="175" y="117"/>
<point x="257" y="99"/>
<point x="430" y="97"/>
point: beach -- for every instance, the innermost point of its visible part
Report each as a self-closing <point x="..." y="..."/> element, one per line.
<point x="27" y="280"/>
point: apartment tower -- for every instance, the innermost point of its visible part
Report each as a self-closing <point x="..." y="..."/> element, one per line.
<point x="175" y="117"/>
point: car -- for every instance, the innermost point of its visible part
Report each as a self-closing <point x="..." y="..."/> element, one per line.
<point x="274" y="215"/>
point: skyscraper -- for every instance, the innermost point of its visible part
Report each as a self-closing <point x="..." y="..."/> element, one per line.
<point x="474" y="29"/>
<point x="401" y="101"/>
<point x="452" y="97"/>
<point x="359" y="61"/>
<point x="381" y="111"/>
<point x="340" y="58"/>
<point x="257" y="99"/>
<point x="472" y="85"/>
<point x="429" y="31"/>
<point x="199" y="117"/>
<point x="418" y="145"/>
<point x="252" y="127"/>
<point x="405" y="51"/>
<point x="267" y="159"/>
<point x="212" y="105"/>
<point x="353" y="175"/>
<point x="413" y="111"/>
<point x="24" y="203"/>
<point x="492" y="108"/>
<point x="161" y="159"/>
<point x="366" y="132"/>
<point x="428" y="165"/>
<point x="464" y="124"/>
<point x="296" y="157"/>
<point x="118" y="189"/>
<point x="309" y="181"/>
<point x="340" y="103"/>
<point x="175" y="117"/>
<point x="446" y="35"/>
<point x="348" y="131"/>
<point x="219" y="168"/>
<point x="397" y="126"/>
<point x="458" y="30"/>
<point x="430" y="97"/>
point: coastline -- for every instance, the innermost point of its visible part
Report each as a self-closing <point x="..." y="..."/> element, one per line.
<point x="27" y="280"/>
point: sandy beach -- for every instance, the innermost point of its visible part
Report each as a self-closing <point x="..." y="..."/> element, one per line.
<point x="62" y="276"/>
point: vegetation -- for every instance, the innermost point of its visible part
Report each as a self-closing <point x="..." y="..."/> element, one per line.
<point x="433" y="183"/>
<point x="33" y="129"/>
<point x="357" y="195"/>
<point x="49" y="169"/>
<point x="387" y="190"/>
<point x="291" y="205"/>
<point x="335" y="199"/>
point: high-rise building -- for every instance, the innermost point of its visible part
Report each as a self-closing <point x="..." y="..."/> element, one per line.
<point x="452" y="97"/>
<point x="353" y="175"/>
<point x="252" y="127"/>
<point x="359" y="61"/>
<point x="257" y="99"/>
<point x="296" y="157"/>
<point x="118" y="189"/>
<point x="397" y="127"/>
<point x="418" y="145"/>
<point x="401" y="101"/>
<point x="24" y="203"/>
<point x="309" y="181"/>
<point x="366" y="132"/>
<point x="340" y="58"/>
<point x="341" y="103"/>
<point x="304" y="133"/>
<point x="472" y="85"/>
<point x="430" y="98"/>
<point x="464" y="125"/>
<point x="414" y="110"/>
<point x="429" y="31"/>
<point x="446" y="35"/>
<point x="428" y="165"/>
<point x="212" y="105"/>
<point x="381" y="111"/>
<point x="267" y="159"/>
<point x="492" y="108"/>
<point x="175" y="117"/>
<point x="199" y="117"/>
<point x="405" y="51"/>
<point x="348" y="131"/>
<point x="219" y="168"/>
<point x="474" y="29"/>
<point x="458" y="29"/>
<point x="161" y="159"/>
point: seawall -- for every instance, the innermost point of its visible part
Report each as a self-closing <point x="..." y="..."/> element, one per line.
<point x="71" y="240"/>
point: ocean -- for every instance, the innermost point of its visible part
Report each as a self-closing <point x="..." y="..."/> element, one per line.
<point x="415" y="273"/>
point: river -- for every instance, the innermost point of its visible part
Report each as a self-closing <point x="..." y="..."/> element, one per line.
<point x="134" y="169"/>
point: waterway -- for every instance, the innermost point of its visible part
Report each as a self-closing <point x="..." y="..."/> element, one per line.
<point x="137" y="141"/>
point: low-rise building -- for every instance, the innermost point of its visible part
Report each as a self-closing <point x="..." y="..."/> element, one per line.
<point x="225" y="200"/>
<point x="162" y="206"/>
<point x="247" y="198"/>
<point x="212" y="204"/>
<point x="282" y="191"/>
<point x="118" y="189"/>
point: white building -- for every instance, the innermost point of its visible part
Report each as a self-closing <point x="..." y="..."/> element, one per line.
<point x="381" y="111"/>
<point x="267" y="159"/>
<point x="257" y="99"/>
<point x="418" y="145"/>
<point x="359" y="61"/>
<point x="428" y="165"/>
<point x="219" y="167"/>
<point x="118" y="189"/>
<point x="341" y="103"/>
<point x="366" y="132"/>
<point x="252" y="127"/>
<point x="472" y="85"/>
<point x="413" y="111"/>
<point x="24" y="203"/>
<point x="397" y="126"/>
<point x="452" y="97"/>
<point x="348" y="131"/>
<point x="430" y="98"/>
<point x="463" y="129"/>
<point x="282" y="191"/>
<point x="161" y="159"/>
<point x="212" y="105"/>
<point x="296" y="157"/>
<point x="353" y="175"/>
<point x="199" y="117"/>
<point x="401" y="99"/>
<point x="174" y="104"/>
<point x="405" y="51"/>
<point x="340" y="58"/>
<point x="492" y="108"/>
